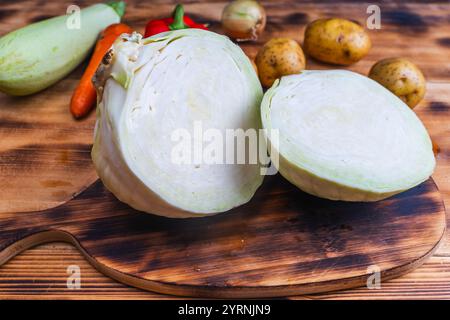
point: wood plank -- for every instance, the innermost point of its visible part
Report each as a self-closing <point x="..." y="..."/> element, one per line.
<point x="46" y="267"/>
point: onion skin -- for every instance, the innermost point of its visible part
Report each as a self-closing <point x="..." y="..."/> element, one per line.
<point x="244" y="20"/>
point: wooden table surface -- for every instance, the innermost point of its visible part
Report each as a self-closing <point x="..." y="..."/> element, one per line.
<point x="419" y="31"/>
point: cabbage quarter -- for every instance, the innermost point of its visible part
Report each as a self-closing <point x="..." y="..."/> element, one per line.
<point x="153" y="87"/>
<point x="342" y="136"/>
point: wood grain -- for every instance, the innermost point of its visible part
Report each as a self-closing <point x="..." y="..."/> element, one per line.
<point x="41" y="273"/>
<point x="415" y="30"/>
<point x="282" y="242"/>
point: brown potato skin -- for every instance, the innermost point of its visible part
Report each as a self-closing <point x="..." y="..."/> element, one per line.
<point x="336" y="41"/>
<point x="277" y="58"/>
<point x="402" y="77"/>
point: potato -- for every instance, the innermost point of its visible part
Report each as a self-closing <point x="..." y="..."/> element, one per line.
<point x="336" y="41"/>
<point x="277" y="58"/>
<point x="402" y="77"/>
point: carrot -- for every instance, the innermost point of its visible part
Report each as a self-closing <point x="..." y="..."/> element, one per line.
<point x="85" y="96"/>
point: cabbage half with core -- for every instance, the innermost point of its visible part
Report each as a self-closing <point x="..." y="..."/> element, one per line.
<point x="149" y="89"/>
<point x="343" y="136"/>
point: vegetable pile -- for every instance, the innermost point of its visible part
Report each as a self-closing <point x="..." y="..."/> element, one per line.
<point x="342" y="136"/>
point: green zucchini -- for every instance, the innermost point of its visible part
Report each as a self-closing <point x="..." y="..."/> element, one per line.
<point x="36" y="56"/>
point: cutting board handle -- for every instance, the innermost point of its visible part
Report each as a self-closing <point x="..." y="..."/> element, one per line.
<point x="9" y="249"/>
<point x="22" y="230"/>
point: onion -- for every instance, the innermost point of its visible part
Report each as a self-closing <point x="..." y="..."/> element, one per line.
<point x="243" y="20"/>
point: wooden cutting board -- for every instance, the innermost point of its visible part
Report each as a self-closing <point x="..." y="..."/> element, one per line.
<point x="284" y="242"/>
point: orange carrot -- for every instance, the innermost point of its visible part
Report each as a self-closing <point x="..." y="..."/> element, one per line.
<point x="85" y="96"/>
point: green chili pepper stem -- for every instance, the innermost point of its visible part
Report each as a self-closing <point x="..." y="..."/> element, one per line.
<point x="178" y="22"/>
<point x="118" y="6"/>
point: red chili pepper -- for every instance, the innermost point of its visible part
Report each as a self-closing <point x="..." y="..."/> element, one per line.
<point x="176" y="22"/>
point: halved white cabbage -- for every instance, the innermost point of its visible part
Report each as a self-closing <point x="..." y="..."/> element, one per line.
<point x="342" y="136"/>
<point x="156" y="86"/>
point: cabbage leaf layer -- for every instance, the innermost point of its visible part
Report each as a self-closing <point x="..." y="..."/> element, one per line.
<point x="342" y="136"/>
<point x="169" y="82"/>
